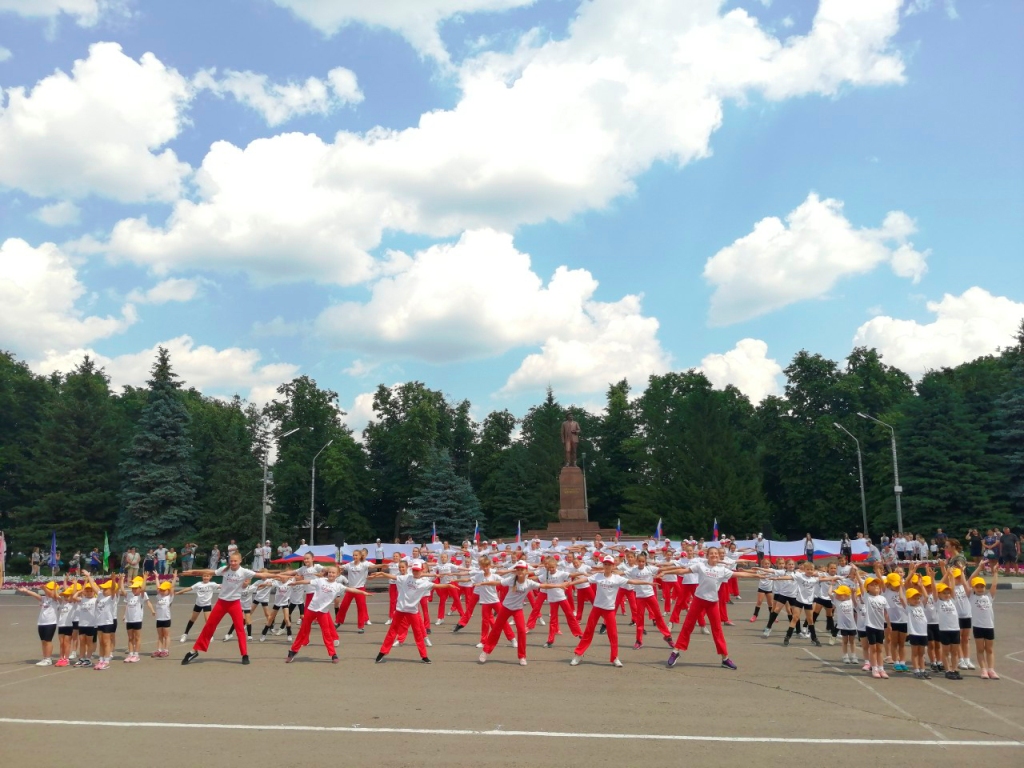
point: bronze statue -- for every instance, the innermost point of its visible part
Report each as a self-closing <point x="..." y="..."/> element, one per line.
<point x="570" y="439"/>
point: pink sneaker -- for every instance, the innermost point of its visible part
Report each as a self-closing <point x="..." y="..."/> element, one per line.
<point x="128" y="659"/>
<point x="99" y="666"/>
<point x="876" y="674"/>
<point x="866" y="668"/>
<point x="992" y="675"/>
<point x="753" y="619"/>
<point x="984" y="674"/>
<point x="882" y="674"/>
<point x="62" y="663"/>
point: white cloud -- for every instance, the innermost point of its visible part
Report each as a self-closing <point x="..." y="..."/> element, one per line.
<point x="223" y="372"/>
<point x="967" y="326"/>
<point x="780" y="263"/>
<point x="544" y="132"/>
<point x="360" y="414"/>
<point x="416" y="20"/>
<point x="62" y="214"/>
<point x="277" y="327"/>
<point x="85" y="12"/>
<point x="361" y="368"/>
<point x="5" y="54"/>
<point x="278" y="103"/>
<point x="747" y="367"/>
<point x="39" y="290"/>
<point x="174" y="289"/>
<point x="919" y="6"/>
<point x="98" y="130"/>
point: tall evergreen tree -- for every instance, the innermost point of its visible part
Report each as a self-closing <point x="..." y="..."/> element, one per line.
<point x="615" y="466"/>
<point x="1009" y="434"/>
<point x="445" y="499"/>
<point x="76" y="476"/>
<point x="158" y="481"/>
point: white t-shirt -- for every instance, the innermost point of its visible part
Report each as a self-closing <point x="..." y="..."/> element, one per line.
<point x="161" y="553"/>
<point x="982" y="614"/>
<point x="324" y="593"/>
<point x="558" y="577"/>
<point x="643" y="574"/>
<point x="875" y="607"/>
<point x="846" y="617"/>
<point x="447" y="572"/>
<point x="106" y="610"/>
<point x="263" y="590"/>
<point x="47" y="612"/>
<point x="311" y="572"/>
<point x="931" y="612"/>
<point x="516" y="595"/>
<point x="606" y="589"/>
<point x="284" y="594"/>
<point x="411" y="591"/>
<point x="709" y="579"/>
<point x="487" y="594"/>
<point x="356" y="573"/>
<point x="133" y="606"/>
<point x="66" y="614"/>
<point x="805" y="587"/>
<point x="378" y="552"/>
<point x="963" y="604"/>
<point x="948" y="617"/>
<point x="231" y="585"/>
<point x="917" y="620"/>
<point x="247" y="595"/>
<point x="163" y="606"/>
<point x="897" y="611"/>
<point x="204" y="592"/>
<point x="784" y="587"/>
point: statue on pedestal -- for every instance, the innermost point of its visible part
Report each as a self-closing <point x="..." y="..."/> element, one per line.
<point x="570" y="439"/>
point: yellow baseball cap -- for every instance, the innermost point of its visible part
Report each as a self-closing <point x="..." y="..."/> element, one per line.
<point x="977" y="581"/>
<point x="165" y="585"/>
<point x="78" y="586"/>
<point x="51" y="585"/>
<point x="843" y="590"/>
<point x="941" y="586"/>
<point x="870" y="579"/>
<point x="957" y="573"/>
<point x="912" y="593"/>
<point x="893" y="580"/>
<point x="926" y="581"/>
<point x="107" y="584"/>
<point x="138" y="581"/>
<point x="914" y="579"/>
<point x="68" y="592"/>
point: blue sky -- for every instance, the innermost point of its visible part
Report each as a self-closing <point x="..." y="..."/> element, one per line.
<point x="492" y="196"/>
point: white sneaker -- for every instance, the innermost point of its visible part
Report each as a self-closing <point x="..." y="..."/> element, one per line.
<point x="183" y="639"/>
<point x="705" y="630"/>
<point x="337" y="642"/>
<point x="263" y="638"/>
<point x="47" y="662"/>
<point x="515" y="642"/>
<point x="394" y="644"/>
<point x="226" y="638"/>
<point x="479" y="645"/>
<point x="616" y="663"/>
<point x="73" y="655"/>
<point x="439" y="622"/>
<point x="386" y="622"/>
<point x="429" y="644"/>
<point x="522" y="662"/>
<point x="962" y="664"/>
<point x="970" y="664"/>
<point x="671" y="626"/>
<point x="542" y="623"/>
<point x="575" y="660"/>
<point x="368" y="622"/>
<point x="483" y="658"/>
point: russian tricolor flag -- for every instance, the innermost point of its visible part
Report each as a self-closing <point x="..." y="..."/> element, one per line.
<point x="657" y="533"/>
<point x="433" y="533"/>
<point x="715" y="531"/>
<point x="618" y="530"/>
<point x="476" y="532"/>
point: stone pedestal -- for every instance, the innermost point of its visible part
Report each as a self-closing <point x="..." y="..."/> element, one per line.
<point x="572" y="495"/>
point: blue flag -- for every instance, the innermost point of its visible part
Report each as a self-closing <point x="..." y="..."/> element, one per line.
<point x="53" y="550"/>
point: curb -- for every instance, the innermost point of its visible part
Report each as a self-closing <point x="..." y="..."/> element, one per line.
<point x="1010" y="585"/>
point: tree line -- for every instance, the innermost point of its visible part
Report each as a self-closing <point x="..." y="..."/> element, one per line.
<point x="166" y="463"/>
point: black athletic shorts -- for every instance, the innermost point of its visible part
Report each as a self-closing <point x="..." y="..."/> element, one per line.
<point x="264" y="603"/>
<point x="87" y="632"/>
<point x="875" y="636"/>
<point x="984" y="633"/>
<point x="764" y="591"/>
<point x="898" y="626"/>
<point x="861" y="634"/>
<point x="163" y="623"/>
<point x="824" y="602"/>
<point x="46" y="632"/>
<point x="918" y="641"/>
<point x="848" y="632"/>
<point x="783" y="599"/>
<point x="797" y="604"/>
<point x="949" y="636"/>
<point x="133" y="625"/>
<point x="202" y="608"/>
<point x="965" y="623"/>
<point x="933" y="633"/>
<point x="65" y="631"/>
<point x="108" y="629"/>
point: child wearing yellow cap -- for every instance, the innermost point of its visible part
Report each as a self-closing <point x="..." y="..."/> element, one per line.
<point x="929" y="599"/>
<point x="846" y="621"/>
<point x="875" y="615"/>
<point x="897" y="636"/>
<point x="949" y="630"/>
<point x="917" y="630"/>
<point x="106" y="619"/>
<point x="957" y="580"/>
<point x="984" y="625"/>
<point x="134" y="601"/>
<point x="86" y="600"/>
<point x="164" y="600"/>
<point x="46" y="623"/>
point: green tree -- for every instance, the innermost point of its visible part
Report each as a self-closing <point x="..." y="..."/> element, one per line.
<point x="445" y="499"/>
<point x="75" y="474"/>
<point x="514" y="494"/>
<point x="158" y="482"/>
<point x="615" y="468"/>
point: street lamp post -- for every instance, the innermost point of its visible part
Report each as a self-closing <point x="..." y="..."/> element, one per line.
<point x="312" y="494"/>
<point x="860" y="471"/>
<point x="897" y="488"/>
<point x="266" y="502"/>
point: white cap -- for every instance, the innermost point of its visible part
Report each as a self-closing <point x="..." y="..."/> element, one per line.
<point x="417" y="565"/>
<point x="608" y="559"/>
<point x="494" y="543"/>
<point x="522" y="564"/>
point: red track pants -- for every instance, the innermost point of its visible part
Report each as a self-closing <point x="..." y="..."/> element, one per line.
<point x="443" y="598"/>
<point x="232" y="608"/>
<point x="588" y="634"/>
<point x="326" y="630"/>
<point x="487" y="613"/>
<point x="698" y="609"/>
<point x="584" y="594"/>
<point x="362" y="614"/>
<point x="649" y="605"/>
<point x="400" y="624"/>
<point x="501" y="624"/>
<point x="570" y="619"/>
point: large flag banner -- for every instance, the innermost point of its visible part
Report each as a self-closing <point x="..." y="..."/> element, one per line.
<point x="476" y="532"/>
<point x="657" y="532"/>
